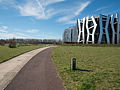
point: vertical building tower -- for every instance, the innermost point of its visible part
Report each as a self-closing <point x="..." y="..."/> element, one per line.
<point x="70" y="35"/>
<point x="95" y="30"/>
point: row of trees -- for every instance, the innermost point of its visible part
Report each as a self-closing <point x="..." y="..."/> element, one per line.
<point x="12" y="42"/>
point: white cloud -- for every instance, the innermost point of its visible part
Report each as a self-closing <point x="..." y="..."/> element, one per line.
<point x="8" y="2"/>
<point x="32" y="31"/>
<point x="13" y="35"/>
<point x="4" y="34"/>
<point x="65" y="18"/>
<point x="38" y="8"/>
<point x="17" y="34"/>
<point x="47" y="2"/>
<point x="81" y="8"/>
<point x="71" y="22"/>
<point x="75" y="12"/>
<point x="44" y="9"/>
<point x="3" y="29"/>
<point x="101" y="8"/>
<point x="47" y="35"/>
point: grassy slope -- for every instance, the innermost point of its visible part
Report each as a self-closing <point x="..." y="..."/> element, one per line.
<point x="103" y="61"/>
<point x="7" y="53"/>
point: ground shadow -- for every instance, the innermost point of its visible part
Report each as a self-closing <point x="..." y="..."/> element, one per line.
<point x="77" y="69"/>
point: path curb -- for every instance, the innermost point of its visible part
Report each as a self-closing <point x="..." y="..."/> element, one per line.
<point x="10" y="68"/>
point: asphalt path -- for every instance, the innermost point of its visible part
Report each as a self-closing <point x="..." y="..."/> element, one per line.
<point x="38" y="74"/>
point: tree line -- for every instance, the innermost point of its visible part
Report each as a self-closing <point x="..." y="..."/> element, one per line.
<point x="12" y="42"/>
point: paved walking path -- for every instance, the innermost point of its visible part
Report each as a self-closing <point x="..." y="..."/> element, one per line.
<point x="38" y="74"/>
<point x="10" y="68"/>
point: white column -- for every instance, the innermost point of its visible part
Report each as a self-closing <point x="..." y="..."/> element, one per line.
<point x="113" y="29"/>
<point x="93" y="28"/>
<point x="81" y="30"/>
<point x="118" y="29"/>
<point x="88" y="34"/>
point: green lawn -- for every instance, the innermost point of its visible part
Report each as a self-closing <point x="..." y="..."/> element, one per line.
<point x="6" y="53"/>
<point x="103" y="63"/>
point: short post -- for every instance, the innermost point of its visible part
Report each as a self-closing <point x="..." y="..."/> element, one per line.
<point x="73" y="64"/>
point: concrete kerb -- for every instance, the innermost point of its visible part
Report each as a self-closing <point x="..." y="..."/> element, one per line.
<point x="10" y="68"/>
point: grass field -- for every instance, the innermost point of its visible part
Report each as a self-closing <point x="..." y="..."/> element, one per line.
<point x="98" y="68"/>
<point x="7" y="53"/>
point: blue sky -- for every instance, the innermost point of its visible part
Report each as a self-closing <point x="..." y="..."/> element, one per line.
<point x="47" y="19"/>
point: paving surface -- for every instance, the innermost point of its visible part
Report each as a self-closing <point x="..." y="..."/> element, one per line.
<point x="10" y="68"/>
<point x="38" y="74"/>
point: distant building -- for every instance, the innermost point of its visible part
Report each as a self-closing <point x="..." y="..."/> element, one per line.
<point x="95" y="30"/>
<point x="70" y="35"/>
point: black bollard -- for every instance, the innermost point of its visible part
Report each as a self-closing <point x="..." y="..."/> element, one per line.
<point x="73" y="64"/>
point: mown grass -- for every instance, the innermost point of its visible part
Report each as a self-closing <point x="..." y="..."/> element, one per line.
<point x="98" y="68"/>
<point x="7" y="53"/>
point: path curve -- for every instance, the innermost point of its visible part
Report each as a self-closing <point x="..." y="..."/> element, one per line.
<point x="10" y="68"/>
<point x="38" y="74"/>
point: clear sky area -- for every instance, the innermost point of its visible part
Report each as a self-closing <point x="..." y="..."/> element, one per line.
<point x="47" y="19"/>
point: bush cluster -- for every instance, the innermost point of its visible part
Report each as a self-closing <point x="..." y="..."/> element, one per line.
<point x="12" y="44"/>
<point x="2" y="42"/>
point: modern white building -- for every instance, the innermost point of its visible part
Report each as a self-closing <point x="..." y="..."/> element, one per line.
<point x="100" y="29"/>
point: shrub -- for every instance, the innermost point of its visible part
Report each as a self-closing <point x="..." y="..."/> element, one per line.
<point x="2" y="42"/>
<point x="12" y="44"/>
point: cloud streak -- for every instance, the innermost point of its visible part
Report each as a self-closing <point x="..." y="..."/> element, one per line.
<point x="32" y="31"/>
<point x="38" y="9"/>
<point x="26" y="34"/>
<point x="45" y="9"/>
<point x="101" y="8"/>
<point x="13" y="35"/>
<point x="68" y="18"/>
<point x="4" y="34"/>
<point x="3" y="29"/>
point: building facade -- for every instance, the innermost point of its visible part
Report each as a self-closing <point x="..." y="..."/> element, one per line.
<point x="95" y="30"/>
